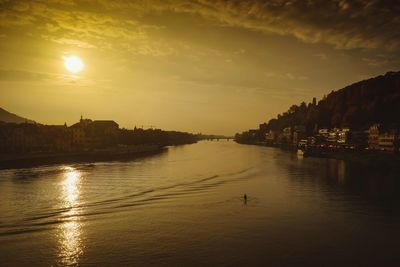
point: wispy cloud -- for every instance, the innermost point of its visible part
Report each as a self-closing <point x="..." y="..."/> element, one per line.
<point x="342" y="24"/>
<point x="21" y="75"/>
<point x="285" y="76"/>
<point x="376" y="62"/>
<point x="321" y="56"/>
<point x="81" y="26"/>
<point x="53" y="78"/>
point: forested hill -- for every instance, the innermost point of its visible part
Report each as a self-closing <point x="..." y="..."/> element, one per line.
<point x="6" y="116"/>
<point x="357" y="106"/>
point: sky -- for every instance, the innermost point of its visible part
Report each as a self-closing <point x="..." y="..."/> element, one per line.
<point x="209" y="66"/>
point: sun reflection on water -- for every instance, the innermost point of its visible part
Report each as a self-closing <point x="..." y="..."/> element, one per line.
<point x="71" y="186"/>
<point x="69" y="232"/>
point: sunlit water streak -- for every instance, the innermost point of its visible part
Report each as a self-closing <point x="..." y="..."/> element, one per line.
<point x="69" y="230"/>
<point x="185" y="208"/>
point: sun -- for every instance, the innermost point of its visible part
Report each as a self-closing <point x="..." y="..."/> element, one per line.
<point x="73" y="63"/>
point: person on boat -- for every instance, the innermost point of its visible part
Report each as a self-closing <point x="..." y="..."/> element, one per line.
<point x="245" y="198"/>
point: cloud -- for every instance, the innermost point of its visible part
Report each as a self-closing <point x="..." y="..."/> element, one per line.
<point x="285" y="76"/>
<point x="7" y="75"/>
<point x="321" y="56"/>
<point x="81" y="26"/>
<point x="21" y="75"/>
<point x="376" y="62"/>
<point x="342" y="24"/>
<point x="69" y="42"/>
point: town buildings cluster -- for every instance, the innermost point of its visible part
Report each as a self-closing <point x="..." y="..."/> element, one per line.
<point x="375" y="138"/>
<point x="30" y="137"/>
<point x="84" y="135"/>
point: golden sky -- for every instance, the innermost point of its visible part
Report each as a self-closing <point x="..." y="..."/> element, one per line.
<point x="201" y="66"/>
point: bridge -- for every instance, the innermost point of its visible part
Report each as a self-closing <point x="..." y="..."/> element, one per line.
<point x="215" y="137"/>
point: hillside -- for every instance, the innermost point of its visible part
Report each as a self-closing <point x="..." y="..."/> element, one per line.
<point x="357" y="106"/>
<point x="6" y="116"/>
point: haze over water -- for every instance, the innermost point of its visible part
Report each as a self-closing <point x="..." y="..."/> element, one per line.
<point x="184" y="207"/>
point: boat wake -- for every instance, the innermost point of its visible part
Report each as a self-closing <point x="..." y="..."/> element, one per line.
<point x="49" y="218"/>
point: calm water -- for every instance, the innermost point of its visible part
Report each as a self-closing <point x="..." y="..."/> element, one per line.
<point x="184" y="208"/>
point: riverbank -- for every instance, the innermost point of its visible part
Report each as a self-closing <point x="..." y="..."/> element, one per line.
<point x="38" y="159"/>
<point x="382" y="161"/>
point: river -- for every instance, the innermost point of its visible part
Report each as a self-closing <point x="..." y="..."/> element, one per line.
<point x="185" y="207"/>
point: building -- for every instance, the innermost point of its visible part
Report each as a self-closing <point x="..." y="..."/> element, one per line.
<point x="299" y="133"/>
<point x="287" y="135"/>
<point x="263" y="128"/>
<point x="332" y="137"/>
<point x="373" y="136"/>
<point x="103" y="133"/>
<point x="386" y="141"/>
<point x="23" y="137"/>
<point x="342" y="136"/>
<point x="18" y="139"/>
<point x="270" y="137"/>
<point x="32" y="138"/>
<point x="78" y="136"/>
<point x="323" y="132"/>
<point x="84" y="122"/>
<point x="80" y="133"/>
<point x="303" y="143"/>
<point x="358" y="139"/>
<point x="59" y="137"/>
<point x="98" y="133"/>
<point x="312" y="140"/>
<point x="104" y="127"/>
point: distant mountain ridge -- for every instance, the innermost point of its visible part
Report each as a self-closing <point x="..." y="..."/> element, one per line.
<point x="9" y="117"/>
